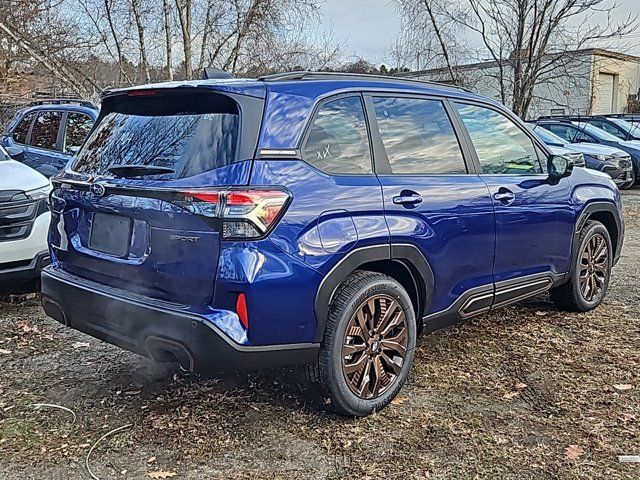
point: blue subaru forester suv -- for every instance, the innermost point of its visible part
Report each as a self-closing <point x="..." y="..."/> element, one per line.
<point x="319" y="219"/>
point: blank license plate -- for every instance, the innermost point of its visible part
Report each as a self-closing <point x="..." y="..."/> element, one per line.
<point x="110" y="234"/>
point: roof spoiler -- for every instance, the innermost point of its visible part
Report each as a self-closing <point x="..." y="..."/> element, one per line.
<point x="211" y="73"/>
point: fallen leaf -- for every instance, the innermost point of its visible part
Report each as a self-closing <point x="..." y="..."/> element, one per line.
<point x="521" y="385"/>
<point x="133" y="392"/>
<point x="151" y="459"/>
<point x="162" y="474"/>
<point x="573" y="452"/>
<point x="398" y="400"/>
<point x="80" y="345"/>
<point x="510" y="395"/>
<point x="541" y="314"/>
<point x="4" y="352"/>
<point x="623" y="386"/>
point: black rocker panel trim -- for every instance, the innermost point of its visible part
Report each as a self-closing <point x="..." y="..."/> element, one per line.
<point x="488" y="297"/>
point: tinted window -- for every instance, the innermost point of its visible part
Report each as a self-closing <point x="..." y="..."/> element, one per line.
<point x="607" y="127"/>
<point x="45" y="130"/>
<point x="78" y="126"/>
<point x="502" y="147"/>
<point x="566" y="132"/>
<point x="22" y="129"/>
<point x="338" y="141"/>
<point x="188" y="144"/>
<point x="418" y="136"/>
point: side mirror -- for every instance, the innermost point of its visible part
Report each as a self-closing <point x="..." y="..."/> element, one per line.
<point x="17" y="153"/>
<point x="559" y="167"/>
<point x="73" y="150"/>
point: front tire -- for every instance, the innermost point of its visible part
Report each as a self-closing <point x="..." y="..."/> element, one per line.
<point x="590" y="271"/>
<point x="368" y="345"/>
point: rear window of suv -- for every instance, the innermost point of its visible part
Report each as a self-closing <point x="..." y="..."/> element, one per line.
<point x="190" y="134"/>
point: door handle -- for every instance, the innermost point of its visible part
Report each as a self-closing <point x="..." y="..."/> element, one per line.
<point x="407" y="199"/>
<point x="504" y="196"/>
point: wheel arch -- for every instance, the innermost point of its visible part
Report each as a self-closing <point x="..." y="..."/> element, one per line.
<point x="404" y="263"/>
<point x="608" y="214"/>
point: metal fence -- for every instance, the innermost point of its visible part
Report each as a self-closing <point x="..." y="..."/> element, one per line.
<point x="10" y="103"/>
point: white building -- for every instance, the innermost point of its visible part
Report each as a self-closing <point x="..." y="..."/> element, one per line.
<point x="594" y="81"/>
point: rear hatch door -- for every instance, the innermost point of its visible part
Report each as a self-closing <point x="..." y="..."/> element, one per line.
<point x="123" y="214"/>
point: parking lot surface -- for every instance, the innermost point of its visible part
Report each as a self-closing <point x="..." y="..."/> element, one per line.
<point x="525" y="392"/>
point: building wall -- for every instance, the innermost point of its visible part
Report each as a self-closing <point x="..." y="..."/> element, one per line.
<point x="577" y="88"/>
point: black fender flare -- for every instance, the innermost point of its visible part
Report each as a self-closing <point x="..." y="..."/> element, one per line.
<point x="407" y="254"/>
<point x="590" y="209"/>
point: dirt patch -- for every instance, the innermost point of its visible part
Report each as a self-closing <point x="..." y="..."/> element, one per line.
<point x="526" y="392"/>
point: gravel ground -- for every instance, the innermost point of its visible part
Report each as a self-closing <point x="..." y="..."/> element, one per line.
<point x="527" y="392"/>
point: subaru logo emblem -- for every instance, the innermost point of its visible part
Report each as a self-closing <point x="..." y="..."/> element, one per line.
<point x="97" y="189"/>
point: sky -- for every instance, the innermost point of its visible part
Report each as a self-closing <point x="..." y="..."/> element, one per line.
<point x="368" y="28"/>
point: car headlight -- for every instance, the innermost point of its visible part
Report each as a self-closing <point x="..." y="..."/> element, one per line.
<point x="603" y="158"/>
<point x="39" y="193"/>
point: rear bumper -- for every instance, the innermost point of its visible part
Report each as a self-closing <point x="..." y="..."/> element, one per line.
<point x="25" y="270"/>
<point x="156" y="330"/>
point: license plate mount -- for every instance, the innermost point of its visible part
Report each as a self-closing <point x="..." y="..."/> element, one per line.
<point x="110" y="234"/>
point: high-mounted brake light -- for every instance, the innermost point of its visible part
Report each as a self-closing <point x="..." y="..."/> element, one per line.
<point x="142" y="93"/>
<point x="246" y="213"/>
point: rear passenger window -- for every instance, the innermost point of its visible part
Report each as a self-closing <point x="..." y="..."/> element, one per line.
<point x="22" y="129"/>
<point x="78" y="126"/>
<point x="45" y="130"/>
<point x="502" y="147"/>
<point x="563" y="131"/>
<point x="338" y="142"/>
<point x="418" y="136"/>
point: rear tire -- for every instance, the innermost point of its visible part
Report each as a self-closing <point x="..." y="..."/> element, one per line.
<point x="590" y="271"/>
<point x="368" y="344"/>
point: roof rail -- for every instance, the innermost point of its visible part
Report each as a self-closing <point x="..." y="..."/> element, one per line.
<point x="308" y="75"/>
<point x="564" y="117"/>
<point x="63" y="101"/>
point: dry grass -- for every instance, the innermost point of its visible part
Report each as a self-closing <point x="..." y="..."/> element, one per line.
<point x="526" y="392"/>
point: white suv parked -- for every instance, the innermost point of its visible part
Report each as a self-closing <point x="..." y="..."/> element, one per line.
<point x="24" y="220"/>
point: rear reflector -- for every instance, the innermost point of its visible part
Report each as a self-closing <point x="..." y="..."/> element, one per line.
<point x="241" y="310"/>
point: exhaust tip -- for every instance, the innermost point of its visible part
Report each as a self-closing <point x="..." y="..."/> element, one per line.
<point x="165" y="350"/>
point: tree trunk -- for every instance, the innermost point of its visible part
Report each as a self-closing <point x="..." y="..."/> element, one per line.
<point x="51" y="63"/>
<point x="167" y="33"/>
<point x="135" y="7"/>
<point x="184" y="15"/>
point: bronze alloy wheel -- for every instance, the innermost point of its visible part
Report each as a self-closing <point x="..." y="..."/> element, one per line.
<point x="375" y="346"/>
<point x="594" y="267"/>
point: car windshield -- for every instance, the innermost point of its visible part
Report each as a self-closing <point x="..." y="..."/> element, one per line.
<point x="548" y="137"/>
<point x="626" y="126"/>
<point x="598" y="132"/>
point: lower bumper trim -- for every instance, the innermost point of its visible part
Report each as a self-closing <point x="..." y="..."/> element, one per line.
<point x="159" y="333"/>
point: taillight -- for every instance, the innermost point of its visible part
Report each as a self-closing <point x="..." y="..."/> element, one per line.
<point x="245" y="213"/>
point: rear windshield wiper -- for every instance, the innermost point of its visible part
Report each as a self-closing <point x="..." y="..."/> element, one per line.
<point x="138" y="170"/>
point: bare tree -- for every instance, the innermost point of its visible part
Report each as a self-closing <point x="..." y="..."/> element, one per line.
<point x="530" y="42"/>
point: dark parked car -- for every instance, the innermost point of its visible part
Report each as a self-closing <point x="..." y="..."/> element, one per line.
<point x="47" y="134"/>
<point x="611" y="160"/>
<point x="314" y="218"/>
<point x="583" y="132"/>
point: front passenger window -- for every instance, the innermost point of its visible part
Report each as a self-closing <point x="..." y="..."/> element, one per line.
<point x="502" y="147"/>
<point x="338" y="141"/>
